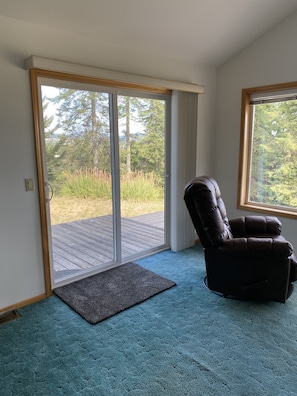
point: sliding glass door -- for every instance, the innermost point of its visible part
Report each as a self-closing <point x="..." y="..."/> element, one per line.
<point x="105" y="162"/>
<point x="141" y="140"/>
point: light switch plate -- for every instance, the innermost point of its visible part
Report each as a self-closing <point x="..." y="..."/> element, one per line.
<point x="29" y="184"/>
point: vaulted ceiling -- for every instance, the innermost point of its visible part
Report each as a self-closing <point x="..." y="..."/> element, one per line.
<point x="204" y="32"/>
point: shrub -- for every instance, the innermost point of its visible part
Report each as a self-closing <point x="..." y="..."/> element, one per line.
<point x="139" y="186"/>
<point x="94" y="183"/>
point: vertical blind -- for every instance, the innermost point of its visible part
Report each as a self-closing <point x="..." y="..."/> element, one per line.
<point x="184" y="108"/>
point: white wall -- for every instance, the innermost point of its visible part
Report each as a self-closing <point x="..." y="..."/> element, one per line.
<point x="21" y="266"/>
<point x="270" y="60"/>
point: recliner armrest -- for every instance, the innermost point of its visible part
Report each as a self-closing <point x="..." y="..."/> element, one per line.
<point x="267" y="247"/>
<point x="255" y="225"/>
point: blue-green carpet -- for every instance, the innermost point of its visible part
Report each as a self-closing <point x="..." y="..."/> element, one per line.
<point x="184" y="341"/>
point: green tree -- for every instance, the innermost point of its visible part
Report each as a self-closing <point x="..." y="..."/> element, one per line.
<point x="83" y="121"/>
<point x="148" y="149"/>
<point x="274" y="153"/>
<point x="53" y="146"/>
<point x="142" y="150"/>
<point x="125" y="115"/>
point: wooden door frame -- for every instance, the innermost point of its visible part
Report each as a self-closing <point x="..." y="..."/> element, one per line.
<point x="38" y="132"/>
<point x="35" y="93"/>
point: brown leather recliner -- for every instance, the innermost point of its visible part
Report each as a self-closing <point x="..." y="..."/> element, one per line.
<point x="246" y="257"/>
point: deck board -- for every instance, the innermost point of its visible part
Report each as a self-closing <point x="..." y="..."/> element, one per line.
<point x="84" y="244"/>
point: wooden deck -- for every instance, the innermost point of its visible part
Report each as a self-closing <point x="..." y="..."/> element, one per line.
<point x="83" y="244"/>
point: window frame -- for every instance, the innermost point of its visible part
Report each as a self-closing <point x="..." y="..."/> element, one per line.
<point x="246" y="138"/>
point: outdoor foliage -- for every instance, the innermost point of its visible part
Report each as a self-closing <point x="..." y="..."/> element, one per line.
<point x="78" y="144"/>
<point x="274" y="154"/>
<point x="91" y="183"/>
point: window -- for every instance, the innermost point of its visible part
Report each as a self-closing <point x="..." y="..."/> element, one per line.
<point x="268" y="150"/>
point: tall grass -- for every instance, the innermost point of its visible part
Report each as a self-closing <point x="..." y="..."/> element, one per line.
<point x="138" y="186"/>
<point x="94" y="183"/>
<point x="86" y="183"/>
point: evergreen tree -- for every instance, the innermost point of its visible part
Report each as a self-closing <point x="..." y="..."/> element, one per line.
<point x="148" y="149"/>
<point x="54" y="148"/>
<point x="83" y="120"/>
<point x="274" y="154"/>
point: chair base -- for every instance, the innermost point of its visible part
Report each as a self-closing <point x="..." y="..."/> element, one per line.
<point x="233" y="297"/>
<point x="220" y="294"/>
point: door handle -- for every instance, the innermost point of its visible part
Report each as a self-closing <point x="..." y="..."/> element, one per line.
<point x="50" y="192"/>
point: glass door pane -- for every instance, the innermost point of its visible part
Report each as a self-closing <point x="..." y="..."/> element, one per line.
<point x="78" y="162"/>
<point x="142" y="174"/>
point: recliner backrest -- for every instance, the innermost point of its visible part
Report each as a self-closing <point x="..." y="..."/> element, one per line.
<point x="207" y="211"/>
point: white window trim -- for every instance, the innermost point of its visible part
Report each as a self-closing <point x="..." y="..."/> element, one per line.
<point x="36" y="62"/>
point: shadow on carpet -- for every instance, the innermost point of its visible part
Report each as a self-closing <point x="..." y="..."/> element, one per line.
<point x="105" y="294"/>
